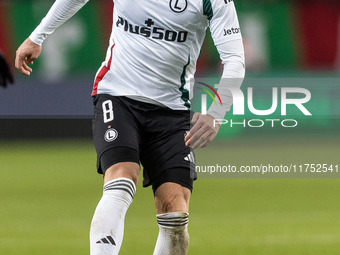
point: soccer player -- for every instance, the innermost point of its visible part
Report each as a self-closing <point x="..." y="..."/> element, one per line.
<point x="141" y="101"/>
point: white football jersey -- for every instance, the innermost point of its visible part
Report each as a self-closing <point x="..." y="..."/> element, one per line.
<point x="155" y="44"/>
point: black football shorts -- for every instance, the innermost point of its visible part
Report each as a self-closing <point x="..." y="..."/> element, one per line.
<point x="126" y="130"/>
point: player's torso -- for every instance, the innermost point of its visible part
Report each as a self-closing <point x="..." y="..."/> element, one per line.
<point x="169" y="20"/>
<point x="154" y="48"/>
<point x="164" y="25"/>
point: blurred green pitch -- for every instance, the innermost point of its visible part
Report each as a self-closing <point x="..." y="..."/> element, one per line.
<point x="49" y="191"/>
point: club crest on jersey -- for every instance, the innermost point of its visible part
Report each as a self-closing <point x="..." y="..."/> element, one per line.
<point x="178" y="6"/>
<point x="110" y="135"/>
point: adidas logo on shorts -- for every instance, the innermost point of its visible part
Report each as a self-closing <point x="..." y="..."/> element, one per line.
<point x="190" y="157"/>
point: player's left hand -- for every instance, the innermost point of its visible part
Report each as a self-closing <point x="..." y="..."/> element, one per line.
<point x="27" y="52"/>
<point x="6" y="75"/>
<point x="202" y="132"/>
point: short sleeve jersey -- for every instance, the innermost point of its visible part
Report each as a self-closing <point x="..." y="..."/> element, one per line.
<point x="155" y="44"/>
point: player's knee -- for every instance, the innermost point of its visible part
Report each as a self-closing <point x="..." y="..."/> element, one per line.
<point x="171" y="197"/>
<point x="128" y="170"/>
<point x="170" y="204"/>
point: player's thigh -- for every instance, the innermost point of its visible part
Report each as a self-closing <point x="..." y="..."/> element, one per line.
<point x="172" y="197"/>
<point x="116" y="137"/>
<point x="164" y="155"/>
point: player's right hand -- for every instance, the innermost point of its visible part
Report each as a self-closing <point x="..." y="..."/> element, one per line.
<point x="26" y="53"/>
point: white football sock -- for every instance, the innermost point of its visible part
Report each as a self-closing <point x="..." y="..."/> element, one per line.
<point x="173" y="237"/>
<point x="107" y="227"/>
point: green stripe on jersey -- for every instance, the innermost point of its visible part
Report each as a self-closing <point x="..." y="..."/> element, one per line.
<point x="207" y="9"/>
<point x="184" y="91"/>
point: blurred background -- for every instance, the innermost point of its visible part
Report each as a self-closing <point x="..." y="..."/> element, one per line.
<point x="282" y="39"/>
<point x="48" y="182"/>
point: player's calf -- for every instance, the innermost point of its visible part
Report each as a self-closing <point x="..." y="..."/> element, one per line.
<point x="107" y="227"/>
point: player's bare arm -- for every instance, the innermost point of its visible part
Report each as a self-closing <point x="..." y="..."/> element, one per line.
<point x="25" y="55"/>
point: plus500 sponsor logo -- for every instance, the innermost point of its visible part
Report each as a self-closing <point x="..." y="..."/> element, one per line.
<point x="151" y="31"/>
<point x="239" y="106"/>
